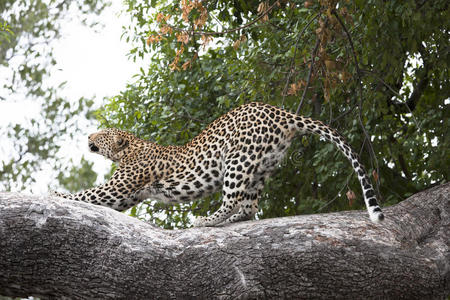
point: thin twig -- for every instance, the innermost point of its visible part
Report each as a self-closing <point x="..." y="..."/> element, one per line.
<point x="101" y="116"/>
<point x="309" y="75"/>
<point x="343" y="114"/>
<point x="360" y="88"/>
<point x="383" y="82"/>
<point x="396" y="94"/>
<point x="217" y="20"/>
<point x="337" y="195"/>
<point x="228" y="30"/>
<point x="331" y="112"/>
<point x="293" y="58"/>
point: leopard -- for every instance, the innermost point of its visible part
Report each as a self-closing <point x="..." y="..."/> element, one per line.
<point x="236" y="154"/>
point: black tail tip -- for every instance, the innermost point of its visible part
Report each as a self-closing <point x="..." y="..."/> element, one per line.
<point x="380" y="217"/>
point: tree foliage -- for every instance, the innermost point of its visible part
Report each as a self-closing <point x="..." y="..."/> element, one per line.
<point x="28" y="30"/>
<point x="375" y="70"/>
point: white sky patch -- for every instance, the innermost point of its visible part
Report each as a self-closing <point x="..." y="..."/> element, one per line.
<point x="94" y="63"/>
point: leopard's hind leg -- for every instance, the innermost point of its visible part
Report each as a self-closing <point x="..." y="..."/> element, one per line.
<point x="230" y="204"/>
<point x="249" y="206"/>
<point x="237" y="196"/>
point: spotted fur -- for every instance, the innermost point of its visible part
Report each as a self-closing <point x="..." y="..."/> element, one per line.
<point x="235" y="153"/>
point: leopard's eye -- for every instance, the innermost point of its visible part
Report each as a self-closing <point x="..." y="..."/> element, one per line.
<point x="120" y="141"/>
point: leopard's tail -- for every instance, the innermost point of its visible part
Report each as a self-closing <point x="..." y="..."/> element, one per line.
<point x="307" y="125"/>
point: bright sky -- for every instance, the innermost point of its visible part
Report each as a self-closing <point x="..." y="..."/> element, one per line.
<point x="93" y="64"/>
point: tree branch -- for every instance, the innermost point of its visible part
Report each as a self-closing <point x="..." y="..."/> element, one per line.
<point x="420" y="85"/>
<point x="54" y="248"/>
<point x="360" y="88"/>
<point x="291" y="66"/>
<point x="313" y="61"/>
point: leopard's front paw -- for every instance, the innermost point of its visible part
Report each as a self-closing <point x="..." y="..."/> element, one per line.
<point x="200" y="222"/>
<point x="53" y="193"/>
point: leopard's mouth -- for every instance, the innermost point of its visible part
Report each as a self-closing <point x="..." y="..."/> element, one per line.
<point x="93" y="148"/>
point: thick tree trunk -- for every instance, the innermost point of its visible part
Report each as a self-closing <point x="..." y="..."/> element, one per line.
<point x="53" y="248"/>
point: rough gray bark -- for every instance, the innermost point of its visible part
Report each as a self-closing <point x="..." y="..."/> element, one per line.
<point x="53" y="248"/>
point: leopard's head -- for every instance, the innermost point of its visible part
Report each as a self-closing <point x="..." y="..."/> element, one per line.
<point x="111" y="142"/>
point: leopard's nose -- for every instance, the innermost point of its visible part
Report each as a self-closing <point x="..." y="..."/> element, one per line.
<point x="93" y="148"/>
